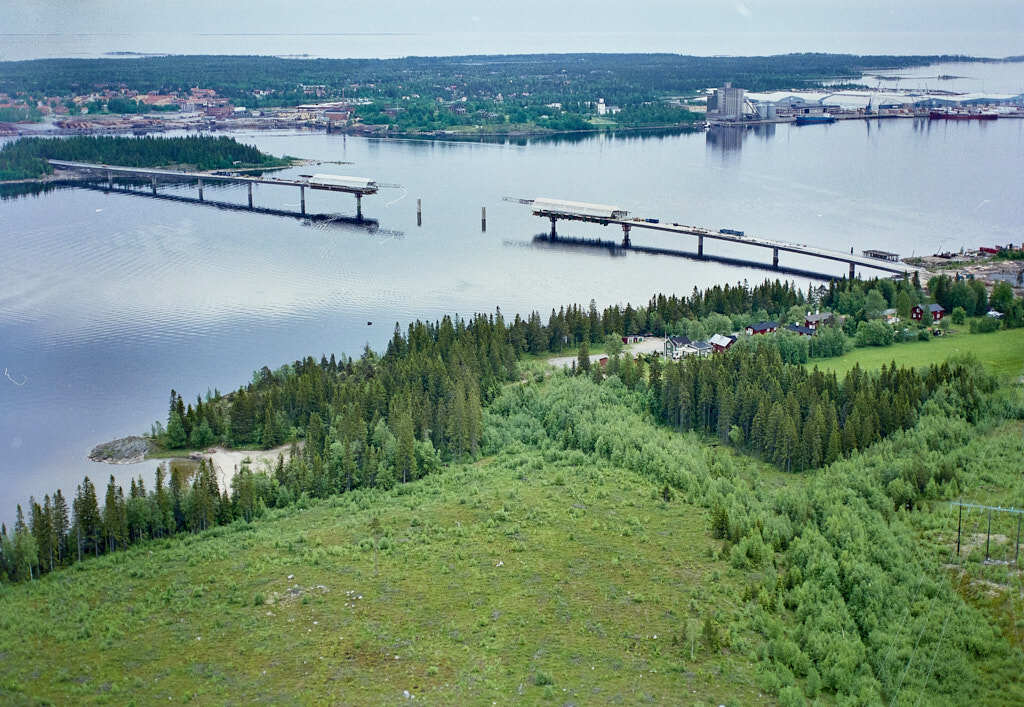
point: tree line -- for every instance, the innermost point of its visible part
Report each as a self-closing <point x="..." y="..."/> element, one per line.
<point x="27" y="158"/>
<point x="376" y="421"/>
<point x="549" y="77"/>
<point x="792" y="417"/>
<point x="382" y="420"/>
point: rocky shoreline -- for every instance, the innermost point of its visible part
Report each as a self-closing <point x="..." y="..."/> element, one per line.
<point x="127" y="450"/>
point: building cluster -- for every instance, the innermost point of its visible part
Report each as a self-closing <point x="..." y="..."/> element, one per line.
<point x="731" y="105"/>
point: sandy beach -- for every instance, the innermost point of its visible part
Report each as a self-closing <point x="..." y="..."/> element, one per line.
<point x="227" y="462"/>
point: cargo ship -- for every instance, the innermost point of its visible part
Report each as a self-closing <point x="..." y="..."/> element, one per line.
<point x="953" y="115"/>
<point x="814" y="119"/>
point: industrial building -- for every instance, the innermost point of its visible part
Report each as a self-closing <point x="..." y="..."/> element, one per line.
<point x="726" y="103"/>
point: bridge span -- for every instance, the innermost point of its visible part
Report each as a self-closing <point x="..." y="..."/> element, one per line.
<point x="359" y="186"/>
<point x="556" y="209"/>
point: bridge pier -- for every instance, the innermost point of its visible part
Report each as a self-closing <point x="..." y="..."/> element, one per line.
<point x="775" y="257"/>
<point x="554" y="231"/>
<point x="625" y="236"/>
<point x="700" y="246"/>
<point x="359" y="206"/>
<point x="302" y="199"/>
<point x="200" y="189"/>
<point x="153" y="182"/>
<point x="110" y="181"/>
<point x="250" y="195"/>
<point x="851" y="269"/>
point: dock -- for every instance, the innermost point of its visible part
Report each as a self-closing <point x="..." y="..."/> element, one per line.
<point x="556" y="209"/>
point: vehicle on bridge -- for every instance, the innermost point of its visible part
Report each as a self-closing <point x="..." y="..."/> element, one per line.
<point x="333" y="182"/>
<point x="577" y="209"/>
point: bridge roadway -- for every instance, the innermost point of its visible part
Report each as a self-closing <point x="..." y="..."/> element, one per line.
<point x="628" y="224"/>
<point x="359" y="188"/>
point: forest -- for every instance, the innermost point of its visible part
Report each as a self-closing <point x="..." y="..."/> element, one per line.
<point x="384" y="420"/>
<point x="821" y="493"/>
<point x="566" y="77"/>
<point x="26" y="158"/>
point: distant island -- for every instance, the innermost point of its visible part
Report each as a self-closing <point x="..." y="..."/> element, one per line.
<point x="27" y="158"/>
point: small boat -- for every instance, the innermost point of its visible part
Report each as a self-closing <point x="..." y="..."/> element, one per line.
<point x="814" y="119"/>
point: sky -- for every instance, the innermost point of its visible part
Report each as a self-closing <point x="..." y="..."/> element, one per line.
<point x="943" y="20"/>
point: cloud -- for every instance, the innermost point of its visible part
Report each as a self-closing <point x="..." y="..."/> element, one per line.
<point x="743" y="9"/>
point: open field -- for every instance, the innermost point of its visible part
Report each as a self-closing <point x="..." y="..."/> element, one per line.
<point x="1001" y="351"/>
<point x="510" y="580"/>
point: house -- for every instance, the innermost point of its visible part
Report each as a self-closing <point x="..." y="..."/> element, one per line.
<point x="890" y="316"/>
<point x="801" y="330"/>
<point x="936" y="310"/>
<point x="633" y="339"/>
<point x="674" y="346"/>
<point x="762" y="328"/>
<point x="720" y="342"/>
<point x="698" y="348"/>
<point x="813" y="321"/>
<point x="995" y="314"/>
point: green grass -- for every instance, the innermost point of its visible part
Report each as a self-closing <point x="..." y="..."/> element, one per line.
<point x="511" y="580"/>
<point x="1001" y="351"/>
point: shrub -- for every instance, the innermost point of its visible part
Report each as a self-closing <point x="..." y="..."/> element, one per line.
<point x="984" y="325"/>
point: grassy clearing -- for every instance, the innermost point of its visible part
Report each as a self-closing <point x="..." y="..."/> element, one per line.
<point x="514" y="579"/>
<point x="1001" y="351"/>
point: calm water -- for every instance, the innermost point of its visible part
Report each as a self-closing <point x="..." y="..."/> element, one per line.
<point x="107" y="301"/>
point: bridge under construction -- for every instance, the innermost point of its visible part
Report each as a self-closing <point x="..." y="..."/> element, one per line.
<point x="358" y="186"/>
<point x="557" y="209"/>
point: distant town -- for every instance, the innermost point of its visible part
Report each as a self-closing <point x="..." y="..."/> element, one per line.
<point x="460" y="97"/>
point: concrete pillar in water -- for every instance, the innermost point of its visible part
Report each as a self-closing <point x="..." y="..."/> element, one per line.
<point x="554" y="231"/>
<point x="153" y="181"/>
<point x="110" y="181"/>
<point x="419" y="212"/>
<point x="700" y="246"/>
<point x="775" y="257"/>
<point x="200" y="189"/>
<point x="302" y="199"/>
<point x="483" y="219"/>
<point x="250" y="195"/>
<point x="851" y="270"/>
<point x="625" y="236"/>
<point x="359" y="206"/>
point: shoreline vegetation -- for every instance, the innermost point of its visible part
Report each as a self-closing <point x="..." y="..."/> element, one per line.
<point x="759" y="527"/>
<point x="26" y="158"/>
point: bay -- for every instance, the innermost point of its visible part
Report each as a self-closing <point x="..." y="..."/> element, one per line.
<point x="107" y="301"/>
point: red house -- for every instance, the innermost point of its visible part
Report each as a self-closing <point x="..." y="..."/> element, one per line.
<point x="936" y="310"/>
<point x="720" y="342"/>
<point x="762" y="328"/>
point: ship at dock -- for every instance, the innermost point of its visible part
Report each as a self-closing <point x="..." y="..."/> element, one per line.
<point x="814" y="119"/>
<point x="960" y="115"/>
